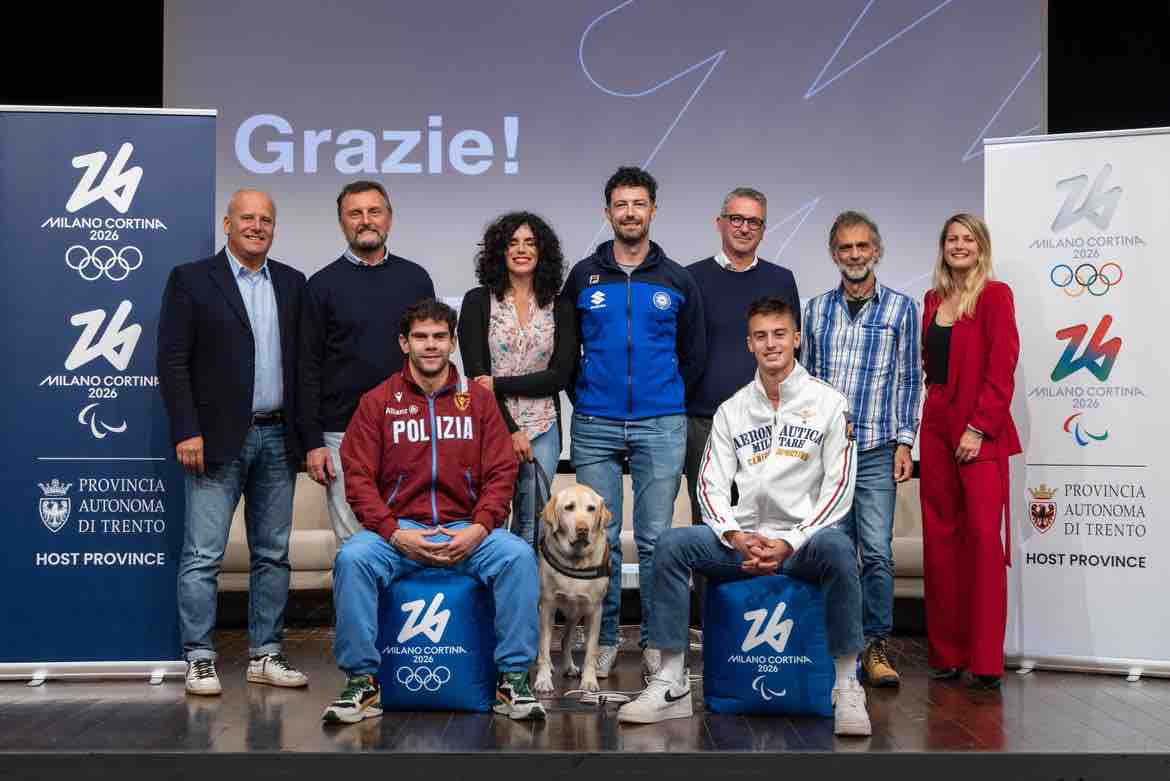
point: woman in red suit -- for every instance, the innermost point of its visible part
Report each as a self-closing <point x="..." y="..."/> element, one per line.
<point x="969" y="347"/>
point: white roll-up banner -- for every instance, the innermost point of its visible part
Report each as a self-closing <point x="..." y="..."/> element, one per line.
<point x="1075" y="223"/>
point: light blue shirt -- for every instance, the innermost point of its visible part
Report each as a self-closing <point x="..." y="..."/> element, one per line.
<point x="874" y="359"/>
<point x="354" y="259"/>
<point x="260" y="302"/>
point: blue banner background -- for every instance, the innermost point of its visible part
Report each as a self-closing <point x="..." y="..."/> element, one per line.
<point x="63" y="300"/>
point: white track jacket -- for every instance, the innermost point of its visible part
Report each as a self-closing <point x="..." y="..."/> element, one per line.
<point x="794" y="465"/>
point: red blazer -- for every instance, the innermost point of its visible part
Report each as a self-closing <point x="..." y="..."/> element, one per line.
<point x="981" y="371"/>
<point x="432" y="460"/>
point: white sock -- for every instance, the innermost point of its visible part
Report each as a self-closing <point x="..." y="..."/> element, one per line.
<point x="846" y="670"/>
<point x="673" y="665"/>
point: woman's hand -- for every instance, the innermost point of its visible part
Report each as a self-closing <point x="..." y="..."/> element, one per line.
<point x="486" y="381"/>
<point x="969" y="446"/>
<point x="522" y="447"/>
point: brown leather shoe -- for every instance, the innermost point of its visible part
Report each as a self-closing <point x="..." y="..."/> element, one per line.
<point x="879" y="671"/>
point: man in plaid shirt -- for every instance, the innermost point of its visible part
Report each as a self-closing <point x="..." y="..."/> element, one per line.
<point x="863" y="339"/>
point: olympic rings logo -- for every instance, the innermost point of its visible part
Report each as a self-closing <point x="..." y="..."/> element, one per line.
<point x="103" y="261"/>
<point x="423" y="678"/>
<point x="1074" y="282"/>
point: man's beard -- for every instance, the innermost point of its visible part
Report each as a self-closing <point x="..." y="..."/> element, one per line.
<point x="362" y="239"/>
<point x="854" y="275"/>
<point x="416" y="366"/>
<point x="643" y="231"/>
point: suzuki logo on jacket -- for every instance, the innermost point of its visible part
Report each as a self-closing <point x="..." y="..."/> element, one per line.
<point x="446" y="427"/>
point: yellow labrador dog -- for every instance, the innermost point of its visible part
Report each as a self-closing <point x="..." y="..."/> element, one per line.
<point x="574" y="576"/>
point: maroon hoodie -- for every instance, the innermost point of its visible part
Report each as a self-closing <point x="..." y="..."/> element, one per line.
<point x="432" y="460"/>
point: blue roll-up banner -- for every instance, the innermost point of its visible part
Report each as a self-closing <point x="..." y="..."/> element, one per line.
<point x="96" y="207"/>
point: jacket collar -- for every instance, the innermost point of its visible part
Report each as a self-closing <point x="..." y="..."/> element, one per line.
<point x="454" y="380"/>
<point x="789" y="387"/>
<point x="605" y="258"/>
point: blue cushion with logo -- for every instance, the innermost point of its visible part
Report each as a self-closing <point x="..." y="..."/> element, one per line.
<point x="764" y="648"/>
<point x="437" y="637"/>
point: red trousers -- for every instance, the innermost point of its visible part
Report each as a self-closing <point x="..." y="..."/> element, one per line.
<point x="963" y="554"/>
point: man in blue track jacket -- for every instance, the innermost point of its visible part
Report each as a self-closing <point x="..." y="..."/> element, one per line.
<point x="640" y="325"/>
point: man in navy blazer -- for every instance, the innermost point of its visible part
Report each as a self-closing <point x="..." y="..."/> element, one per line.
<point x="227" y="350"/>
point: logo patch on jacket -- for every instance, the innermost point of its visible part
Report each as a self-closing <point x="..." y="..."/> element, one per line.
<point x="462" y="401"/>
<point x="661" y="300"/>
<point x="597" y="300"/>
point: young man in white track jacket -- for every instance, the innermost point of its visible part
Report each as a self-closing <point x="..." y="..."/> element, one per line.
<point x="785" y="440"/>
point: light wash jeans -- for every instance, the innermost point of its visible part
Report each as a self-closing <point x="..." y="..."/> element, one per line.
<point x="827" y="559"/>
<point x="345" y="523"/>
<point x="656" y="448"/>
<point x="546" y="448"/>
<point x="263" y="475"/>
<point x="870" y="524"/>
<point x="367" y="564"/>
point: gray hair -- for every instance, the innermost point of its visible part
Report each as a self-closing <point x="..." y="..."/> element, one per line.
<point x="849" y="219"/>
<point x="746" y="192"/>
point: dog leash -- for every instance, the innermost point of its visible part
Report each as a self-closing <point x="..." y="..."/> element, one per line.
<point x="542" y="485"/>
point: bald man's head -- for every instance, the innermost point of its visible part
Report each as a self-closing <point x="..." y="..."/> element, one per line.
<point x="250" y="225"/>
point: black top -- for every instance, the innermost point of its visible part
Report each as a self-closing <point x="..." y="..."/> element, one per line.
<point x="938" y="353"/>
<point x="726" y="296"/>
<point x="349" y="337"/>
<point x="474" y="316"/>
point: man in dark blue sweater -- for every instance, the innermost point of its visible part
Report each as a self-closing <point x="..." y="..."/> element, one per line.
<point x="728" y="283"/>
<point x="351" y="312"/>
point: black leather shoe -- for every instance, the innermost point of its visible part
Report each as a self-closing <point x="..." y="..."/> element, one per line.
<point x="945" y="673"/>
<point x="985" y="682"/>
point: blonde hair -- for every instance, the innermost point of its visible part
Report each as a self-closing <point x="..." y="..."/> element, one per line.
<point x="945" y="283"/>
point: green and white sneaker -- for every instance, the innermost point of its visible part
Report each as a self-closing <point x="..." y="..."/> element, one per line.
<point x="360" y="699"/>
<point x="514" y="698"/>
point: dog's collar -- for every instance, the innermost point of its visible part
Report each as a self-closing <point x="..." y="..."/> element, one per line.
<point x="593" y="573"/>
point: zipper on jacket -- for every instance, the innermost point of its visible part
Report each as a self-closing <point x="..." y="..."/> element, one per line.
<point x="394" y="493"/>
<point x="434" y="458"/>
<point x="630" y="343"/>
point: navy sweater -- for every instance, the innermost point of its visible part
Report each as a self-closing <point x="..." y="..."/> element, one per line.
<point x="349" y="337"/>
<point x="726" y="296"/>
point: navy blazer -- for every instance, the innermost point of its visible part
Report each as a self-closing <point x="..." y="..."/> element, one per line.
<point x="206" y="355"/>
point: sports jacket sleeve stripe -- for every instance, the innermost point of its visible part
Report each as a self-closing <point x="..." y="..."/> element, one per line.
<point x="836" y="495"/>
<point x="716" y="472"/>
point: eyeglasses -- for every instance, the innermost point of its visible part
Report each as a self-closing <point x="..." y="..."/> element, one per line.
<point x="738" y="221"/>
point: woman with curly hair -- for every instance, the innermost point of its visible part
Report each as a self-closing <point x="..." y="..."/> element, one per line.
<point x="970" y="348"/>
<point x="519" y="341"/>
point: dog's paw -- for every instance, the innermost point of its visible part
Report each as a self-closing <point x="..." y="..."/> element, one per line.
<point x="544" y="684"/>
<point x="589" y="683"/>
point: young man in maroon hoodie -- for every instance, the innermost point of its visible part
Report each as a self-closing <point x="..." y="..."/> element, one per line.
<point x="429" y="472"/>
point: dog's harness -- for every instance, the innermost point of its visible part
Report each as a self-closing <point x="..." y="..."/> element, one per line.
<point x="593" y="573"/>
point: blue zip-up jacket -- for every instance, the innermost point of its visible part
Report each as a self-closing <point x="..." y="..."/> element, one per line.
<point x="643" y="342"/>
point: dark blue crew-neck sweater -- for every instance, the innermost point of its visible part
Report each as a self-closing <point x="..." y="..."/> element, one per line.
<point x="726" y="297"/>
<point x="349" y="337"/>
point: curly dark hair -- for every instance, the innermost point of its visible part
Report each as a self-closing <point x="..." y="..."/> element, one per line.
<point x="427" y="309"/>
<point x="491" y="269"/>
<point x="632" y="176"/>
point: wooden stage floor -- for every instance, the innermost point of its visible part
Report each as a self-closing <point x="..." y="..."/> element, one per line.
<point x="1040" y="714"/>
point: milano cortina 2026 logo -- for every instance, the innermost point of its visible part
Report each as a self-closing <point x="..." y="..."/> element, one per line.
<point x="100" y="257"/>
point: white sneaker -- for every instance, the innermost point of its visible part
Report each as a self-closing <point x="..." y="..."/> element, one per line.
<point x="360" y="699"/>
<point x="651" y="664"/>
<point x="275" y="670"/>
<point x="201" y="677"/>
<point x="849" y="714"/>
<point x="661" y="699"/>
<point x="606" y="656"/>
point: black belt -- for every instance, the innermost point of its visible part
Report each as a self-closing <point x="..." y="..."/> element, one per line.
<point x="268" y="418"/>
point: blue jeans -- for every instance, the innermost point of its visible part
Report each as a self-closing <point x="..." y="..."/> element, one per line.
<point x="870" y="524"/>
<point x="367" y="564"/>
<point x="827" y="559"/>
<point x="546" y="448"/>
<point x="656" y="448"/>
<point x="263" y="475"/>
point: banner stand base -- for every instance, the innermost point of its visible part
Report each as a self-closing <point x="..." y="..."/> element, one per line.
<point x="1132" y="669"/>
<point x="38" y="672"/>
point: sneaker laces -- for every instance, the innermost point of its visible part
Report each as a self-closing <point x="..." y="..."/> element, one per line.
<point x="877" y="653"/>
<point x="202" y="668"/>
<point x="280" y="661"/>
<point x="606" y="655"/>
<point x="354" y="688"/>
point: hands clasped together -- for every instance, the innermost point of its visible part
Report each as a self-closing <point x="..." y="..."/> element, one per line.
<point x="762" y="556"/>
<point x="419" y="545"/>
